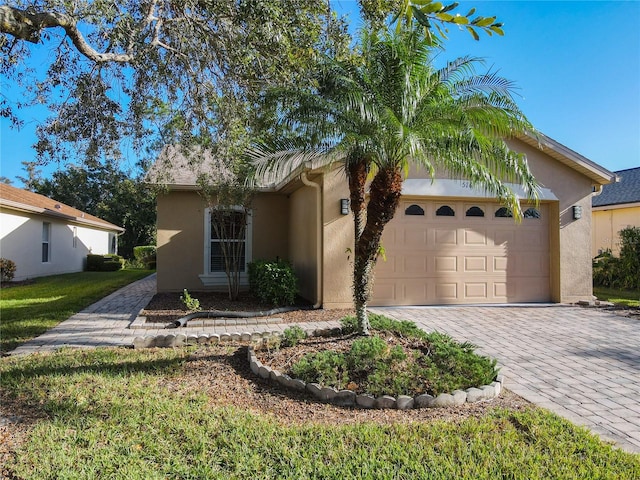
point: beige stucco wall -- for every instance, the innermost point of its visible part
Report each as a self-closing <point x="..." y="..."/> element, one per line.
<point x="607" y="222"/>
<point x="571" y="276"/>
<point x="338" y="237"/>
<point x="303" y="239"/>
<point x="181" y="227"/>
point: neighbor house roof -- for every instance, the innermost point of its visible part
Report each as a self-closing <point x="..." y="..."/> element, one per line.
<point x="627" y="190"/>
<point x="23" y="200"/>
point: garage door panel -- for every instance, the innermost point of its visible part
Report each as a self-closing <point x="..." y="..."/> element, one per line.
<point x="457" y="260"/>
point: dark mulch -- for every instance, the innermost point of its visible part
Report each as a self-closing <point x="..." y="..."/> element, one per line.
<point x="166" y="307"/>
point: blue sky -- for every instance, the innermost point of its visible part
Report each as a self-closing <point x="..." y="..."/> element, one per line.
<point x="577" y="65"/>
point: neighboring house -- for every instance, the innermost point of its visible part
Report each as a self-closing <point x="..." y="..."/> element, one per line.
<point x="45" y="237"/>
<point x="616" y="207"/>
<point x="448" y="243"/>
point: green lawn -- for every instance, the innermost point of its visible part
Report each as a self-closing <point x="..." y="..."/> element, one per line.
<point x="121" y="414"/>
<point x="26" y="311"/>
<point x="619" y="297"/>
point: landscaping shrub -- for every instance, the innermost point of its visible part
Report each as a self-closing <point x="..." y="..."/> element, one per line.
<point x="104" y="263"/>
<point x="293" y="336"/>
<point x="623" y="271"/>
<point x="145" y="255"/>
<point x="410" y="363"/>
<point x="192" y="304"/>
<point x="7" y="269"/>
<point x="273" y="282"/>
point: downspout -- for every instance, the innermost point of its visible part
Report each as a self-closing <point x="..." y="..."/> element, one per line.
<point x="319" y="237"/>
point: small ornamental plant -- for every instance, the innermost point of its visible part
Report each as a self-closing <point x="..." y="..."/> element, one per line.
<point x="192" y="304"/>
<point x="7" y="269"/>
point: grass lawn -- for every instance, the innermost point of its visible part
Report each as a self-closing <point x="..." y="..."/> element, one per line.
<point x="28" y="310"/>
<point x="128" y="414"/>
<point x="628" y="298"/>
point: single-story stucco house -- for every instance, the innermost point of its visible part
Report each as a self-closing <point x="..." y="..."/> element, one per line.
<point x="615" y="208"/>
<point x="45" y="237"/>
<point x="448" y="243"/>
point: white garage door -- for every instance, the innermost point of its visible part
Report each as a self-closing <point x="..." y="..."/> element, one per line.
<point x="459" y="252"/>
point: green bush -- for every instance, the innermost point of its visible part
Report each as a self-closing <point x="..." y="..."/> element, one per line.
<point x="273" y="282"/>
<point x="293" y="336"/>
<point x="620" y="272"/>
<point x="146" y="256"/>
<point x="7" y="269"/>
<point x="104" y="263"/>
<point x="421" y="363"/>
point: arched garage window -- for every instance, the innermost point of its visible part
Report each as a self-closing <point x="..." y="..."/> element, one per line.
<point x="475" y="212"/>
<point x="414" y="210"/>
<point x="531" y="213"/>
<point x="445" y="211"/>
<point x="504" y="212"/>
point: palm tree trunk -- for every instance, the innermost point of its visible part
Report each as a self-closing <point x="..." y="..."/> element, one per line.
<point x="384" y="197"/>
<point x="357" y="176"/>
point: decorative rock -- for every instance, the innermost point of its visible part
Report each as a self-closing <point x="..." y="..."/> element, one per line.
<point x="139" y="342"/>
<point x="284" y="380"/>
<point x="192" y="340"/>
<point x="443" y="400"/>
<point x="255" y="367"/>
<point x="321" y="332"/>
<point x="423" y="401"/>
<point x="235" y="337"/>
<point x="245" y="337"/>
<point x="489" y="391"/>
<point x="335" y="331"/>
<point x="166" y="341"/>
<point x="204" y="338"/>
<point x="474" y="395"/>
<point x="264" y="372"/>
<point x="214" y="338"/>
<point x="314" y="388"/>
<point x="404" y="402"/>
<point x="274" y="375"/>
<point x="298" y="385"/>
<point x="345" y="398"/>
<point x="459" y="397"/>
<point x="149" y="342"/>
<point x="327" y="394"/>
<point x="256" y="336"/>
<point x="365" y="400"/>
<point x="498" y="388"/>
<point x="225" y="337"/>
<point x="385" y="401"/>
<point x="179" y="340"/>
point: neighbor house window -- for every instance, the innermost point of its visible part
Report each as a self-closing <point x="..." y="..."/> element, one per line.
<point x="475" y="212"/>
<point x="113" y="243"/>
<point x="46" y="242"/>
<point x="414" y="210"/>
<point x="75" y="237"/>
<point x="445" y="211"/>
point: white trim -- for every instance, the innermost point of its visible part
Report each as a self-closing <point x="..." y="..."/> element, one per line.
<point x="209" y="278"/>
<point x="615" y="206"/>
<point x="441" y="187"/>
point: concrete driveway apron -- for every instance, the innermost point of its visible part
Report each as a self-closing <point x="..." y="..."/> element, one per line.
<point x="581" y="363"/>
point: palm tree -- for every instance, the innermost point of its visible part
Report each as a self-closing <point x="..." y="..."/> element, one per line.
<point x="391" y="109"/>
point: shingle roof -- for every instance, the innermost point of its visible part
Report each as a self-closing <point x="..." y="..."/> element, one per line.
<point x="627" y="190"/>
<point x="24" y="200"/>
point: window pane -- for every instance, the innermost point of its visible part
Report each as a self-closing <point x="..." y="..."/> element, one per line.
<point x="445" y="211"/>
<point x="504" y="212"/>
<point x="45" y="231"/>
<point x="217" y="257"/>
<point x="45" y="252"/>
<point x="228" y="224"/>
<point x="475" y="212"/>
<point x="531" y="213"/>
<point x="414" y="210"/>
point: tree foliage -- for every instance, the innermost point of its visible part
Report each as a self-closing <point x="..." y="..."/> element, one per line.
<point x="175" y="71"/>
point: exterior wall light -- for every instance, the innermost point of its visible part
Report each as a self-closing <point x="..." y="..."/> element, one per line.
<point x="344" y="206"/>
<point x="577" y="212"/>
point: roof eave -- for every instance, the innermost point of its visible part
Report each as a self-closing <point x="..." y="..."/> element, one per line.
<point x="598" y="174"/>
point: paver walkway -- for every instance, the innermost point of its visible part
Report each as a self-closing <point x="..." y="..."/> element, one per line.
<point x="582" y="364"/>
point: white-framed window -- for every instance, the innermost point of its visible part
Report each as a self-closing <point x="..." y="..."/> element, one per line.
<point x="113" y="243"/>
<point x="46" y="242"/>
<point x="237" y="232"/>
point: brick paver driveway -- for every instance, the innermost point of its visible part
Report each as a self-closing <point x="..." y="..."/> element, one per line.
<point x="581" y="363"/>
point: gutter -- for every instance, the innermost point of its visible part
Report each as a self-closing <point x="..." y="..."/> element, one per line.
<point x="319" y="236"/>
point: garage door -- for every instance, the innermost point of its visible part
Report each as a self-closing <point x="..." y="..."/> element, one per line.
<point x="457" y="252"/>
